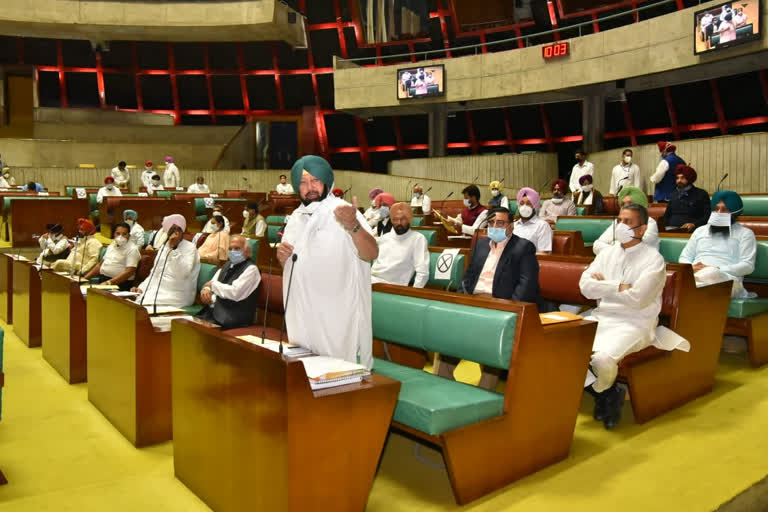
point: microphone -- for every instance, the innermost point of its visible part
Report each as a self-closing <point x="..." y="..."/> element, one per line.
<point x="82" y="259"/>
<point x="407" y="187"/>
<point x="294" y="256"/>
<point x="345" y="192"/>
<point x="266" y="301"/>
<point x="74" y="256"/>
<point x="430" y="188"/>
<point x="721" y="181"/>
<point x="159" y="282"/>
<point x="151" y="275"/>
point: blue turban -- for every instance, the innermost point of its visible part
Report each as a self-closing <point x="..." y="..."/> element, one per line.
<point x="130" y="214"/>
<point x="731" y="199"/>
<point x="316" y="166"/>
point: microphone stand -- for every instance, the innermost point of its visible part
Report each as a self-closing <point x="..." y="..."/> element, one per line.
<point x="721" y="181"/>
<point x="151" y="275"/>
<point x="74" y="256"/>
<point x="266" y="300"/>
<point x="287" y="298"/>
<point x="82" y="259"/>
<point x="159" y="282"/>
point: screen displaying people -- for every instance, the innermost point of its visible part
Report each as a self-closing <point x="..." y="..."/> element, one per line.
<point x="420" y="82"/>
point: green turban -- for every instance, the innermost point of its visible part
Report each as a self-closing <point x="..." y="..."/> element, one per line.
<point x="130" y="214"/>
<point x="731" y="199"/>
<point x="316" y="166"/>
<point x="635" y="194"/>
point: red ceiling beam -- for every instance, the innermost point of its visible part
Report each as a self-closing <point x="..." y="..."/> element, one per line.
<point x="62" y="77"/>
<point x="137" y="78"/>
<point x="672" y="112"/>
<point x="721" y="121"/>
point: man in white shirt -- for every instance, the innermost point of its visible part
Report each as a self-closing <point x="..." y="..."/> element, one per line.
<point x="420" y="199"/>
<point x="581" y="168"/>
<point x="626" y="280"/>
<point x="372" y="215"/>
<point x="147" y="174"/>
<point x="154" y="185"/>
<point x="529" y="225"/>
<point x="53" y="244"/>
<point x="722" y="250"/>
<point x="7" y="181"/>
<point x="402" y="252"/>
<point x="199" y="187"/>
<point x="131" y="218"/>
<point x="121" y="175"/>
<point x="120" y="260"/>
<point x="284" y="188"/>
<point x="175" y="286"/>
<point x="231" y="295"/>
<point x="626" y="174"/>
<point x="210" y="226"/>
<point x="629" y="195"/>
<point x="108" y="190"/>
<point x="328" y="246"/>
<point x="171" y="178"/>
<point x="559" y="205"/>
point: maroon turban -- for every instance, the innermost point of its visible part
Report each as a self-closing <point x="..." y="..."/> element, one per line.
<point x="687" y="171"/>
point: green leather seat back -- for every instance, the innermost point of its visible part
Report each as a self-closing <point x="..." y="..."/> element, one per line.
<point x="457" y="271"/>
<point x="200" y="207"/>
<point x="429" y="234"/>
<point x="755" y="206"/>
<point x="272" y="235"/>
<point x="513" y="206"/>
<point x="671" y="248"/>
<point x="276" y="219"/>
<point x="580" y="210"/>
<point x="163" y="193"/>
<point x="417" y="221"/>
<point x="207" y="272"/>
<point x="761" y="262"/>
<point x="102" y="252"/>
<point x="591" y="229"/>
<point x="93" y="204"/>
<point x="434" y="404"/>
<point x="254" y="243"/>
<point x="485" y="336"/>
<point x="745" y="308"/>
<point x="147" y="237"/>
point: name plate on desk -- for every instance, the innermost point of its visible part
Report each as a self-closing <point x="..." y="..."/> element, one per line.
<point x="180" y="188"/>
<point x="81" y="194"/>
<point x="142" y="194"/>
<point x="43" y="194"/>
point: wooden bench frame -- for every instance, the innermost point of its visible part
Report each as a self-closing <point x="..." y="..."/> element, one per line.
<point x="541" y="401"/>
<point x="659" y="380"/>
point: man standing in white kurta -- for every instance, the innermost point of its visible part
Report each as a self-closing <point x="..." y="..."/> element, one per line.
<point x="627" y="280"/>
<point x="326" y="250"/>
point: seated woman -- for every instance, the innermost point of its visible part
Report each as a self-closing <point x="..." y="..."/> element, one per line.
<point x="588" y="196"/>
<point x="214" y="249"/>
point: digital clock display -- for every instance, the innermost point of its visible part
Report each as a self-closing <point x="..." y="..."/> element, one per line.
<point x="552" y="51"/>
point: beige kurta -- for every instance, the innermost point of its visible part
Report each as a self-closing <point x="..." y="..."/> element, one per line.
<point x="82" y="258"/>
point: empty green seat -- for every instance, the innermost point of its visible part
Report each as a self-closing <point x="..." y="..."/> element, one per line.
<point x="671" y="248"/>
<point x="276" y="219"/>
<point x="207" y="271"/>
<point x="254" y="243"/>
<point x="457" y="271"/>
<point x="745" y="308"/>
<point x="417" y="221"/>
<point x="580" y="210"/>
<point x="102" y="252"/>
<point x="755" y="206"/>
<point x="429" y="234"/>
<point x="591" y="228"/>
<point x="272" y="234"/>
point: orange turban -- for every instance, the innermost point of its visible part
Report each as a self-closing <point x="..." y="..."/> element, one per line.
<point x="401" y="210"/>
<point x="87" y="226"/>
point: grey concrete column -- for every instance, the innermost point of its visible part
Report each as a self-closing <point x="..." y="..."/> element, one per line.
<point x="438" y="132"/>
<point x="593" y="123"/>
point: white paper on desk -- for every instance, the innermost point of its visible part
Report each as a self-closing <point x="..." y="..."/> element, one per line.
<point x="445" y="261"/>
<point x="163" y="323"/>
<point x="209" y="202"/>
<point x="19" y="257"/>
<point x="318" y="366"/>
<point x="555" y="316"/>
<point x="162" y="309"/>
<point x="591" y="379"/>
<point x="459" y="237"/>
<point x="125" y="294"/>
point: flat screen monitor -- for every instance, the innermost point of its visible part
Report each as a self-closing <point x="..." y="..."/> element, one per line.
<point x="726" y="25"/>
<point x="420" y="82"/>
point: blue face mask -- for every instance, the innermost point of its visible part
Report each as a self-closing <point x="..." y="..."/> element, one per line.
<point x="497" y="234"/>
<point x="384" y="211"/>
<point x="236" y="257"/>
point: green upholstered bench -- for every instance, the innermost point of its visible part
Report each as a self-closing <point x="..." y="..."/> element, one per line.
<point x="591" y="227"/>
<point x="417" y="221"/>
<point x="207" y="271"/>
<point x="581" y="210"/>
<point x="254" y="243"/>
<point x="457" y="271"/>
<point x="429" y="234"/>
<point x="276" y="219"/>
<point x="671" y="247"/>
<point x="532" y="421"/>
<point x="272" y="233"/>
<point x="755" y="205"/>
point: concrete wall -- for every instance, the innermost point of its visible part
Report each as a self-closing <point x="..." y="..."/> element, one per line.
<point x="656" y="45"/>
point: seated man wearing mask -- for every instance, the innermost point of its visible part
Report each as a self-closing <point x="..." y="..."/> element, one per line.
<point x="176" y="285"/>
<point x="230" y="297"/>
<point x="421" y="200"/>
<point x="559" y="205"/>
<point x="402" y="252"/>
<point x="108" y="190"/>
<point x="629" y="195"/>
<point x="384" y="202"/>
<point x="215" y="246"/>
<point x="84" y="254"/>
<point x="120" y="261"/>
<point x="54" y="245"/>
<point x="588" y="196"/>
<point x="131" y="218"/>
<point x="199" y="187"/>
<point x="722" y="250"/>
<point x="154" y="185"/>
<point x="474" y="215"/>
<point x="254" y="224"/>
<point x="688" y="206"/>
<point x="497" y="198"/>
<point x="372" y="215"/>
<point x="626" y="280"/>
<point x="217" y="212"/>
<point x="530" y="226"/>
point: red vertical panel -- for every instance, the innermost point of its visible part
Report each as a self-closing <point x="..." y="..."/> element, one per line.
<point x="508" y="130"/>
<point x="482" y="42"/>
<point x="137" y="77"/>
<point x="672" y="113"/>
<point x="62" y="78"/>
<point x="362" y="142"/>
<point x="174" y="87"/>
<point x="722" y="123"/>
<point x="680" y="5"/>
<point x="100" y="81"/>
<point x="208" y="84"/>
<point x="322" y="135"/>
<point x="398" y="136"/>
<point x="243" y="85"/>
<point x="764" y="83"/>
<point x="595" y="24"/>
<point x="278" y="85"/>
<point x="547" y="129"/>
<point x="519" y="33"/>
<point x="412" y="49"/>
<point x="444" y="27"/>
<point x="628" y="123"/>
<point x="340" y="30"/>
<point x="635" y="14"/>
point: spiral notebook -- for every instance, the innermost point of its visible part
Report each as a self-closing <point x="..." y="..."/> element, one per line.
<point x="327" y="372"/>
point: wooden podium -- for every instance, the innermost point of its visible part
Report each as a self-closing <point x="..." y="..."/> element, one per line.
<point x="129" y="368"/>
<point x="26" y="303"/>
<point x="250" y="434"/>
<point x="6" y="287"/>
<point x="63" y="326"/>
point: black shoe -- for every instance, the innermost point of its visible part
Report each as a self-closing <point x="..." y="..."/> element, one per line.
<point x="600" y="406"/>
<point x="614" y="404"/>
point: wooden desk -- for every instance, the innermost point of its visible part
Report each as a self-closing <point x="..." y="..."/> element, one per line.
<point x="26" y="303"/>
<point x="129" y="366"/>
<point x="28" y="217"/>
<point x="64" y="326"/>
<point x="250" y="434"/>
<point x="6" y="287"/>
<point x="151" y="211"/>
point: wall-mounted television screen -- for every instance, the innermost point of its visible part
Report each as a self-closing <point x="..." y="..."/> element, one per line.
<point x="420" y="82"/>
<point x="726" y="25"/>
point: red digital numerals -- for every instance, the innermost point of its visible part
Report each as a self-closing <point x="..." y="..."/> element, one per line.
<point x="555" y="50"/>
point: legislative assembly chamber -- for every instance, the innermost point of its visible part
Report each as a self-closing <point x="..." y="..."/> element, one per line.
<point x="383" y="255"/>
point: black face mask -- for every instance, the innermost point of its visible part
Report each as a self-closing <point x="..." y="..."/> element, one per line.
<point x="720" y="230"/>
<point x="401" y="230"/>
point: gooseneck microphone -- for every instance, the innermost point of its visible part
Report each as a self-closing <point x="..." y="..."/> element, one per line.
<point x="720" y="183"/>
<point x="294" y="257"/>
<point x="266" y="300"/>
<point x="82" y="258"/>
<point x="151" y="275"/>
<point x="74" y="256"/>
<point x="160" y="281"/>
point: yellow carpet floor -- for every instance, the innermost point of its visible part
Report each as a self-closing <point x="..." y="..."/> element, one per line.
<point x="60" y="454"/>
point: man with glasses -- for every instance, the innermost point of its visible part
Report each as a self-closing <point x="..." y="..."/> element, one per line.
<point x="627" y="280"/>
<point x="403" y="252"/>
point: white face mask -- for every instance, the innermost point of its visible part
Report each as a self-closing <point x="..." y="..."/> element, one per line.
<point x="624" y="233"/>
<point x="557" y="200"/>
<point x="526" y="211"/>
<point x="246" y="214"/>
<point x="119" y="241"/>
<point x="586" y="188"/>
<point x="627" y="159"/>
<point x="719" y="219"/>
<point x="110" y="186"/>
<point x="156" y="183"/>
<point x="130" y="222"/>
<point x="384" y="211"/>
<point x="373" y="203"/>
<point x="495" y="192"/>
<point x="466" y="203"/>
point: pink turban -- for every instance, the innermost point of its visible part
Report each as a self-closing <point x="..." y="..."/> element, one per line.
<point x="530" y="194"/>
<point x="385" y="199"/>
<point x="374" y="192"/>
<point x="169" y="159"/>
<point x="175" y="219"/>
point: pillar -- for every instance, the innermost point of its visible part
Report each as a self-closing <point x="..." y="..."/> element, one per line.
<point x="438" y="132"/>
<point x="593" y="122"/>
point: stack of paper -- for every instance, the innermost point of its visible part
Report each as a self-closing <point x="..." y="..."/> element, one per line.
<point x="289" y="349"/>
<point x="328" y="372"/>
<point x="84" y="287"/>
<point x="163" y="323"/>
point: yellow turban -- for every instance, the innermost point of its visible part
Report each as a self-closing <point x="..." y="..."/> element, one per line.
<point x="495" y="185"/>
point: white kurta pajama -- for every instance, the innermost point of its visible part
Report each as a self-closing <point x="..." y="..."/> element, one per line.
<point x="105" y="192"/>
<point x="199" y="188"/>
<point x="50" y="246"/>
<point x="121" y="177"/>
<point x="536" y="231"/>
<point x="178" y="287"/>
<point x="424" y="202"/>
<point x="400" y="256"/>
<point x="329" y="309"/>
<point x="137" y="235"/>
<point x="146" y="177"/>
<point x="626" y="320"/>
<point x="171" y="177"/>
